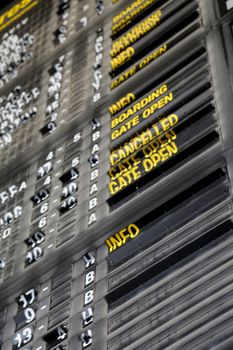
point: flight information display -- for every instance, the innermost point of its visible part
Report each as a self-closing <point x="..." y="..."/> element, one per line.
<point x="116" y="175"/>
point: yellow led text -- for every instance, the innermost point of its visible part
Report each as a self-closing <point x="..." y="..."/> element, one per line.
<point x="119" y="239"/>
<point x="136" y="33"/>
